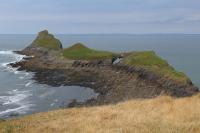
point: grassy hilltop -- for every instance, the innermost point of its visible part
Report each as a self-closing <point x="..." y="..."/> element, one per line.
<point x="46" y="40"/>
<point x="150" y="61"/>
<point x="79" y="51"/>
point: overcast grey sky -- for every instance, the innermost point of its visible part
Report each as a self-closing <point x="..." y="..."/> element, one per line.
<point x="100" y="16"/>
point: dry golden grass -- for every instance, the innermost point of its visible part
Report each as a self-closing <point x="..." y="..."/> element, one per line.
<point x="160" y="115"/>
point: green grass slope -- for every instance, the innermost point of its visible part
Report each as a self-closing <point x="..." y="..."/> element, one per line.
<point x="81" y="52"/>
<point x="150" y="61"/>
<point x="46" y="40"/>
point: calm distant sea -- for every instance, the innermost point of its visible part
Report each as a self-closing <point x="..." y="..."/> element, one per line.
<point x="182" y="51"/>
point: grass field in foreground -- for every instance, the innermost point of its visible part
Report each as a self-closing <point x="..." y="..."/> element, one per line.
<point x="160" y="115"/>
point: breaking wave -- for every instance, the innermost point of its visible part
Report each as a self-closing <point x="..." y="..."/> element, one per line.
<point x="13" y="101"/>
<point x="17" y="102"/>
<point x="8" y="57"/>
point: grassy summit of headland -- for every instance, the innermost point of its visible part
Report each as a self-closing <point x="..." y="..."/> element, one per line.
<point x="150" y="61"/>
<point x="46" y="40"/>
<point x="80" y="51"/>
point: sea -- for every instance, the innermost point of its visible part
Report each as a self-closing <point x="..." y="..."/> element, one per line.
<point x="20" y="95"/>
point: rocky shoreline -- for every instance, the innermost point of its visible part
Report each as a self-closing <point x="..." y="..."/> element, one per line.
<point x="113" y="82"/>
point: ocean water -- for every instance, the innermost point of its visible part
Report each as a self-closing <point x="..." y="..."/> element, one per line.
<point x="20" y="95"/>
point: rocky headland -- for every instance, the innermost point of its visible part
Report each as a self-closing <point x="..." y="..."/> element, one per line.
<point x="114" y="76"/>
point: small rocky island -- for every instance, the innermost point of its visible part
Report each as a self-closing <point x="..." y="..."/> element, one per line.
<point x="114" y="76"/>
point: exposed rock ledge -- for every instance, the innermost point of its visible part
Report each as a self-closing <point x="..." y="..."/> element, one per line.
<point x="114" y="83"/>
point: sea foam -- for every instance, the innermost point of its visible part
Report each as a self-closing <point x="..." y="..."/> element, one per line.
<point x="11" y="58"/>
<point x="16" y="98"/>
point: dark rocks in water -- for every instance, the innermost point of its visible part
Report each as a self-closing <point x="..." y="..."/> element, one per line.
<point x="16" y="64"/>
<point x="75" y="103"/>
<point x="54" y="78"/>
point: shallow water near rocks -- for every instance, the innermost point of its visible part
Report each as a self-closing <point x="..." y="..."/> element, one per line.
<point x="20" y="95"/>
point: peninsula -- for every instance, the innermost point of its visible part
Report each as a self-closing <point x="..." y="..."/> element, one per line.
<point x="114" y="76"/>
<point x="138" y="91"/>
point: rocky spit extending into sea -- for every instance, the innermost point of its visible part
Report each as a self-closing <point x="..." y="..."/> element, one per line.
<point x="114" y="76"/>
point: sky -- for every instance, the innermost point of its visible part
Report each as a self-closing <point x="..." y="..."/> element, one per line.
<point x="100" y="16"/>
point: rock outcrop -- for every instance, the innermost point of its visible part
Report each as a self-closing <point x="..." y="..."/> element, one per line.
<point x="44" y="42"/>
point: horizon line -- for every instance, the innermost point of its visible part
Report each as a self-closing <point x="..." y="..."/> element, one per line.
<point x="103" y="33"/>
